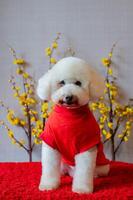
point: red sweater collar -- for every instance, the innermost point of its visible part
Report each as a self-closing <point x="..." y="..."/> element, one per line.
<point x="83" y="110"/>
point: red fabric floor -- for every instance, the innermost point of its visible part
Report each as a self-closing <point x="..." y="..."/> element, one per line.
<point x="19" y="181"/>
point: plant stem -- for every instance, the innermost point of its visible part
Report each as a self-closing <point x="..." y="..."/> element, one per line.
<point x="106" y="140"/>
<point x="29" y="131"/>
<point x="113" y="148"/>
<point x="17" y="141"/>
<point x="43" y="123"/>
<point x="118" y="146"/>
<point x="111" y="121"/>
<point x="29" y="127"/>
<point x="117" y="126"/>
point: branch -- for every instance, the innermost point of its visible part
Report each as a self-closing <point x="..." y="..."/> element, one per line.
<point x="33" y="146"/>
<point x="115" y="130"/>
<point x="106" y="140"/>
<point x="114" y="45"/>
<point x="26" y="132"/>
<point x="117" y="126"/>
<point x="17" y="141"/>
<point x="120" y="143"/>
<point x="43" y="123"/>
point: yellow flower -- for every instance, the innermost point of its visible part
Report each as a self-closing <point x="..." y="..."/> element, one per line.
<point x="108" y="85"/>
<point x="106" y="62"/>
<point x="128" y="132"/>
<point x="108" y="135"/>
<point x="110" y="54"/>
<point x="11" y="118"/>
<point x="33" y="132"/>
<point x="113" y="93"/>
<point x="101" y="126"/>
<point x="19" y="61"/>
<point x="33" y="119"/>
<point x="102" y="120"/>
<point x="15" y="94"/>
<point x="110" y="125"/>
<point x="105" y="91"/>
<point x="13" y="141"/>
<point x="48" y="51"/>
<point x="113" y="101"/>
<point x="36" y="141"/>
<point x="39" y="125"/>
<point x="101" y="98"/>
<point x="129" y="110"/>
<point x="128" y="123"/>
<point x="94" y="106"/>
<point x="10" y="114"/>
<point x="34" y="112"/>
<point x="10" y="134"/>
<point x="110" y="72"/>
<point x="125" y="139"/>
<point x="22" y="122"/>
<point x="30" y="101"/>
<point x="45" y="115"/>
<point x="19" y="71"/>
<point x="23" y="98"/>
<point x="25" y="75"/>
<point x="23" y="95"/>
<point x="120" y="135"/>
<point x="30" y="91"/>
<point x="17" y="88"/>
<point x="104" y="132"/>
<point x="27" y="85"/>
<point x="15" y="121"/>
<point x="53" y="60"/>
<point x="25" y="113"/>
<point x="55" y="45"/>
<point x="44" y="107"/>
<point x="101" y="105"/>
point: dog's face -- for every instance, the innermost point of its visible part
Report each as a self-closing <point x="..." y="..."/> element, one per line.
<point x="70" y="93"/>
<point x="71" y="83"/>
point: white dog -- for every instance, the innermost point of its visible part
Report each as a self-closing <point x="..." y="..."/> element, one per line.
<point x="71" y="138"/>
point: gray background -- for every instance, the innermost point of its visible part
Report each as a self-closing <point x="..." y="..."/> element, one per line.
<point x="89" y="26"/>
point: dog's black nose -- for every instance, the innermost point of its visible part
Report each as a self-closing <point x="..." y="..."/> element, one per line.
<point x="69" y="99"/>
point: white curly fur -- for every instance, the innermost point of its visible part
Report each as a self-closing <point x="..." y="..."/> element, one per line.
<point x="70" y="69"/>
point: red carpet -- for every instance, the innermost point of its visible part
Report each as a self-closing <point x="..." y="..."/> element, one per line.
<point x="19" y="181"/>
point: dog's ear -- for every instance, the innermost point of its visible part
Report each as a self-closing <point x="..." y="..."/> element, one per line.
<point x="44" y="86"/>
<point x="97" y="84"/>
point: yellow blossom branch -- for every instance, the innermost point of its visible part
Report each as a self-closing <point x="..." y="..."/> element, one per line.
<point x="122" y="139"/>
<point x="11" y="135"/>
<point x="111" y="113"/>
<point x="50" y="50"/>
<point x="18" y="122"/>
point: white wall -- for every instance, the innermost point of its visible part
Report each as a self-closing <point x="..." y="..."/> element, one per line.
<point x="89" y="26"/>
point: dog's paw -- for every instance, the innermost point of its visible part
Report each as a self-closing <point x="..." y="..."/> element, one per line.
<point x="48" y="187"/>
<point x="82" y="190"/>
<point x="82" y="187"/>
<point x="50" y="184"/>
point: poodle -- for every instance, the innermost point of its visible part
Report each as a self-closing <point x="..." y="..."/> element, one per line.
<point x="71" y="137"/>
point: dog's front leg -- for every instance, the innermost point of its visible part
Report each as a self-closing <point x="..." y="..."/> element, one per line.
<point x="84" y="171"/>
<point x="50" y="178"/>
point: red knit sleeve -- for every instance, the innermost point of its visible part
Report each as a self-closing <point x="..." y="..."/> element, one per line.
<point x="48" y="136"/>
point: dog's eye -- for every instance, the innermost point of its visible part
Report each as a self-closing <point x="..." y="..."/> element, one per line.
<point x="78" y="83"/>
<point x="61" y="83"/>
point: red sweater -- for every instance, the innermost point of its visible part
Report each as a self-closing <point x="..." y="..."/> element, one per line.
<point x="72" y="131"/>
